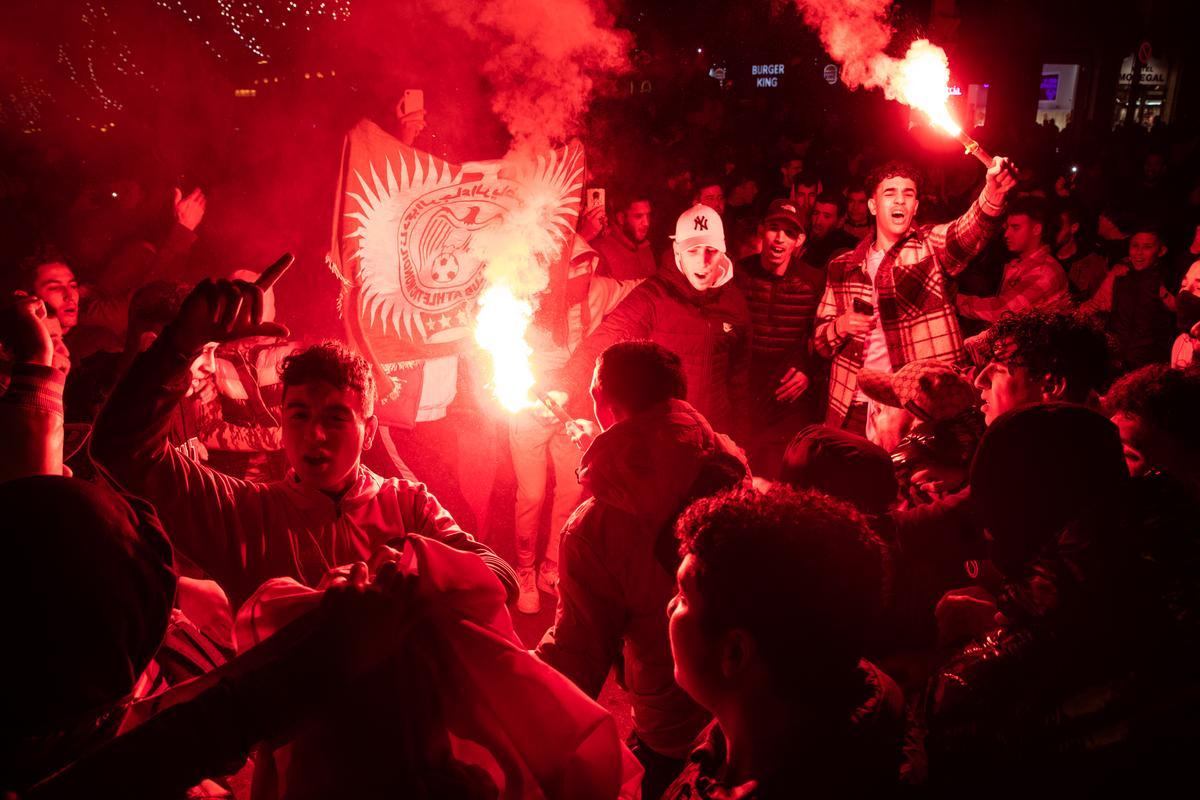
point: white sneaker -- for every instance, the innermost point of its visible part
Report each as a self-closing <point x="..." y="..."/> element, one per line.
<point x="529" y="601"/>
<point x="547" y="579"/>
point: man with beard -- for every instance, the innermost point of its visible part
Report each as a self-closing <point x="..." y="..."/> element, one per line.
<point x="624" y="248"/>
<point x="1033" y="279"/>
<point x="825" y="235"/>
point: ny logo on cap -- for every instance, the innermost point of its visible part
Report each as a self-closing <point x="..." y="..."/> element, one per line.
<point x="700" y="223"/>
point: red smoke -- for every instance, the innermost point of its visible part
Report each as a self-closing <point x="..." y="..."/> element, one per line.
<point x="855" y="33"/>
<point x="543" y="59"/>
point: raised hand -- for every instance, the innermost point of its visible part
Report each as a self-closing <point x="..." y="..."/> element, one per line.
<point x="592" y="223"/>
<point x="223" y="310"/>
<point x="1001" y="177"/>
<point x="23" y="330"/>
<point x="189" y="210"/>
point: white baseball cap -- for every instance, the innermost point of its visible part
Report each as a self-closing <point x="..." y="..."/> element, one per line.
<point x="702" y="226"/>
<point x="699" y="225"/>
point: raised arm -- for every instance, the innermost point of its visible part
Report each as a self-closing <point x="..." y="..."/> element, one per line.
<point x="31" y="410"/>
<point x="129" y="442"/>
<point x="956" y="242"/>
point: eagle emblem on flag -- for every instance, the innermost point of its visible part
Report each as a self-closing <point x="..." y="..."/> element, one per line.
<point x="407" y="234"/>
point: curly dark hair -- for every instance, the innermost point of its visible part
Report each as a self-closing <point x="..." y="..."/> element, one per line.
<point x="892" y="169"/>
<point x="1162" y="397"/>
<point x="334" y="363"/>
<point x="800" y="571"/>
<point x="1072" y="347"/>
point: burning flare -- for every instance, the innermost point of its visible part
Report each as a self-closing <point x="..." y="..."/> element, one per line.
<point x="922" y="80"/>
<point x="500" y="329"/>
<point x="856" y="33"/>
<point x="517" y="253"/>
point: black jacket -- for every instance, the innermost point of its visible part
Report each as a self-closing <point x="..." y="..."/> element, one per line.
<point x="1090" y="686"/>
<point x="710" y="331"/>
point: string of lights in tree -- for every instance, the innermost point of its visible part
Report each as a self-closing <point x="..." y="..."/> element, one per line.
<point x="22" y="107"/>
<point x="252" y="22"/>
<point x="101" y="49"/>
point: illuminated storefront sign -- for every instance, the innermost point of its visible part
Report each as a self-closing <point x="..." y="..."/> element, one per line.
<point x="766" y="76"/>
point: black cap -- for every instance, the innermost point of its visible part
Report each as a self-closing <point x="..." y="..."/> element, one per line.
<point x="784" y="211"/>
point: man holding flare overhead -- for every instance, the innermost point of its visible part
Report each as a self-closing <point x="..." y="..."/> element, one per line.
<point x="887" y="302"/>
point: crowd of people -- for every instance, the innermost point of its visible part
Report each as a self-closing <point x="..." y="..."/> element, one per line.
<point x="875" y="483"/>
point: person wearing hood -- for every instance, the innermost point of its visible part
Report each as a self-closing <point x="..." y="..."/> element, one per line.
<point x="695" y="311"/>
<point x="656" y="454"/>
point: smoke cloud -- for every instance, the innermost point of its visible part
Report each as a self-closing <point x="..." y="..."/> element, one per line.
<point x="543" y="60"/>
<point x="856" y="34"/>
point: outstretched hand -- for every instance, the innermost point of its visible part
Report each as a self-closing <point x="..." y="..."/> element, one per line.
<point x="223" y="310"/>
<point x="189" y="210"/>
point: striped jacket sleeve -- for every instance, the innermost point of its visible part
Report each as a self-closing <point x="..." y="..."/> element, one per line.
<point x="31" y="422"/>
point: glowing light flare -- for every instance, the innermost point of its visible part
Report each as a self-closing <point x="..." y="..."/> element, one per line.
<point x="500" y="327"/>
<point x="516" y="253"/>
<point x="922" y="81"/>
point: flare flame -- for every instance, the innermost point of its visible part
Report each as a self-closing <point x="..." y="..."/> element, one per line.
<point x="500" y="329"/>
<point x="922" y="81"/>
<point x="517" y="253"/>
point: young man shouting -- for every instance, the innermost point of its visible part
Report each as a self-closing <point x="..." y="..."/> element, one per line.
<point x="887" y="302"/>
<point x="329" y="511"/>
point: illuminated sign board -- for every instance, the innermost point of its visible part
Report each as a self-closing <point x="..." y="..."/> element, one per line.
<point x="766" y="76"/>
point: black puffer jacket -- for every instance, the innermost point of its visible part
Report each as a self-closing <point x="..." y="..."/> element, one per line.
<point x="782" y="312"/>
<point x="710" y="331"/>
<point x="782" y="308"/>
